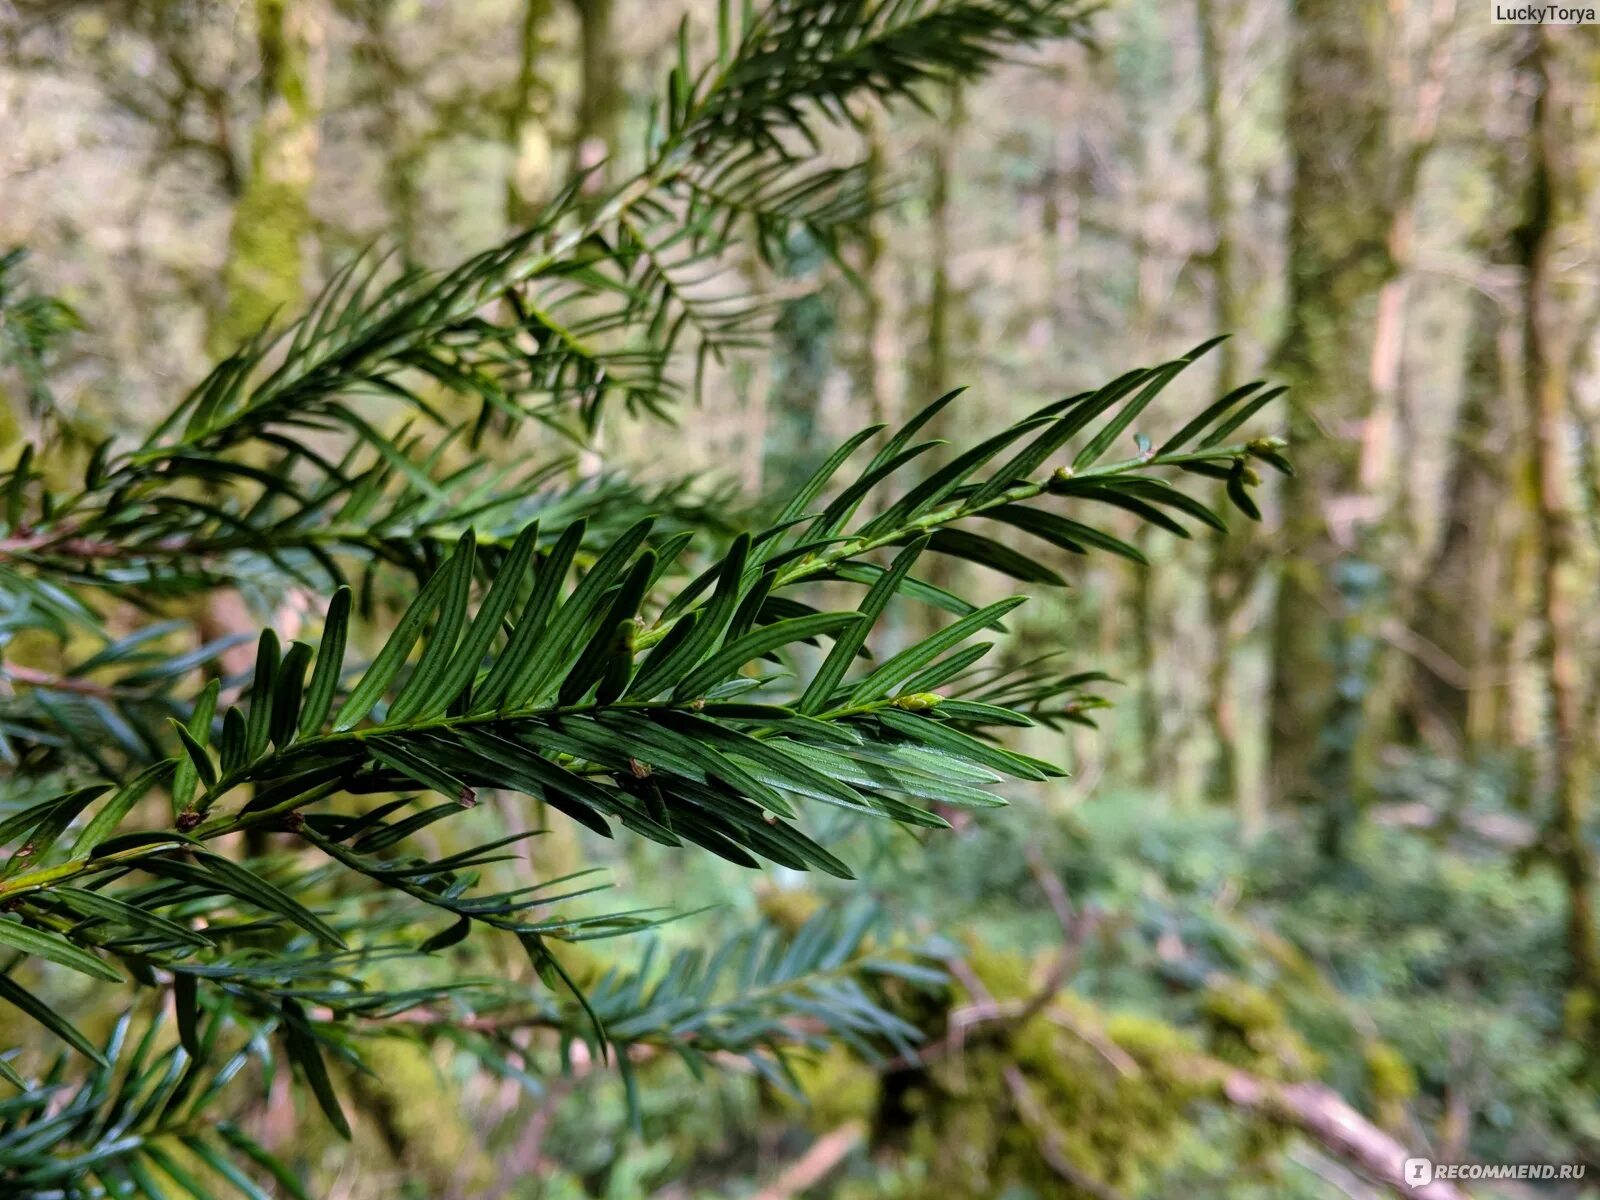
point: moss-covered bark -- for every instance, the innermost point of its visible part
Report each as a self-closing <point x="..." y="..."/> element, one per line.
<point x="594" y="133"/>
<point x="1461" y="602"/>
<point x="1563" y="72"/>
<point x="1228" y="573"/>
<point x="1073" y="1100"/>
<point x="527" y="137"/>
<point x="1338" y="126"/>
<point x="264" y="269"/>
<point x="1469" y="598"/>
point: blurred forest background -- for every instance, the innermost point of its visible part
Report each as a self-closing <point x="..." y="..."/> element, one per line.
<point x="1333" y="843"/>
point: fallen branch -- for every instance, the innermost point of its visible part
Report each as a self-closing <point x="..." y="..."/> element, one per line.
<point x="812" y="1167"/>
<point x="1314" y="1109"/>
<point x="1323" y="1115"/>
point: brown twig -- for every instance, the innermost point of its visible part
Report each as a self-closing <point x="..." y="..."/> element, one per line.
<point x="825" y="1154"/>
<point x="29" y="677"/>
<point x="1323" y="1115"/>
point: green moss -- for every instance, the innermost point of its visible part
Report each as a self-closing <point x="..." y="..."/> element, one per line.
<point x="1246" y="1026"/>
<point x="788" y="908"/>
<point x="272" y="216"/>
<point x="419" y="1117"/>
<point x="1114" y="1096"/>
<point x="263" y="275"/>
<point x="1390" y="1081"/>
<point x="1389" y="1075"/>
<point x="838" y="1087"/>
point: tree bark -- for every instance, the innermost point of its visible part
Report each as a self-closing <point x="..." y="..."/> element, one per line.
<point x="1338" y="126"/>
<point x="402" y="151"/>
<point x="1460" y="604"/>
<point x="934" y="376"/>
<point x="594" y="133"/>
<point x="936" y="362"/>
<point x="272" y="219"/>
<point x="1468" y="602"/>
<point x="1389" y="433"/>
<point x="1554" y="202"/>
<point x="526" y="136"/>
<point x="1226" y="576"/>
<point x="877" y="356"/>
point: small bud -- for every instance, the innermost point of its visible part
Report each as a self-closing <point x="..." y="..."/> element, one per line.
<point x="918" y="701"/>
<point x="187" y="820"/>
<point x="1059" y="479"/>
<point x="467" y="798"/>
<point x="640" y="770"/>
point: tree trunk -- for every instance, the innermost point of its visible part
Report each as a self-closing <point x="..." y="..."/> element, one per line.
<point x="1389" y="433"/>
<point x="877" y="352"/>
<point x="263" y="275"/>
<point x="1227" y="579"/>
<point x="594" y="134"/>
<point x="1458" y="692"/>
<point x="527" y="139"/>
<point x="802" y="361"/>
<point x="1466" y="608"/>
<point x="934" y="376"/>
<point x="1145" y="610"/>
<point x="1554" y="203"/>
<point x="402" y="150"/>
<point x="1338" y="125"/>
<point x="272" y="218"/>
<point x="936" y="362"/>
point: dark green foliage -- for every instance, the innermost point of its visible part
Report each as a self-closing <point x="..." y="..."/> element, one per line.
<point x="139" y="1119"/>
<point x="622" y="657"/>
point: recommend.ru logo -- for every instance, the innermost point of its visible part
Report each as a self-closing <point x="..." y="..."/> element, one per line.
<point x="1420" y="1172"/>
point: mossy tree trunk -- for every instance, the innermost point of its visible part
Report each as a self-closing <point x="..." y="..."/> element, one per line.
<point x="802" y="361"/>
<point x="390" y="80"/>
<point x="1389" y="434"/>
<point x="272" y="219"/>
<point x="1338" y="126"/>
<point x="1461" y="615"/>
<point x="877" y="350"/>
<point x="263" y="274"/>
<point x="527" y="138"/>
<point x="1562" y="71"/>
<point x="594" y="132"/>
<point x="934" y="373"/>
<point x="1227" y="577"/>
<point x="1467" y="604"/>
